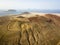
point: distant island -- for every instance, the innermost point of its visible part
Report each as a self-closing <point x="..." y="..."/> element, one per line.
<point x="12" y="10"/>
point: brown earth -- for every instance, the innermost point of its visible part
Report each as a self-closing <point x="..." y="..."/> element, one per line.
<point x="38" y="30"/>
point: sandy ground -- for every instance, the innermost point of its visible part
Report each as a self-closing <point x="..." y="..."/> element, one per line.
<point x="33" y="14"/>
<point x="40" y="14"/>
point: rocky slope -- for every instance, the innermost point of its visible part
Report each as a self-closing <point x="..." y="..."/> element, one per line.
<point x="35" y="30"/>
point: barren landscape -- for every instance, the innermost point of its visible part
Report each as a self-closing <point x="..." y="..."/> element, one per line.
<point x="30" y="29"/>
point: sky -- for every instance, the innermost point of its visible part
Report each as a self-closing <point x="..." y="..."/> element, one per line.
<point x="29" y="4"/>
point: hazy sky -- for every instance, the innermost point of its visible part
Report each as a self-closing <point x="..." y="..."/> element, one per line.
<point x="29" y="4"/>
